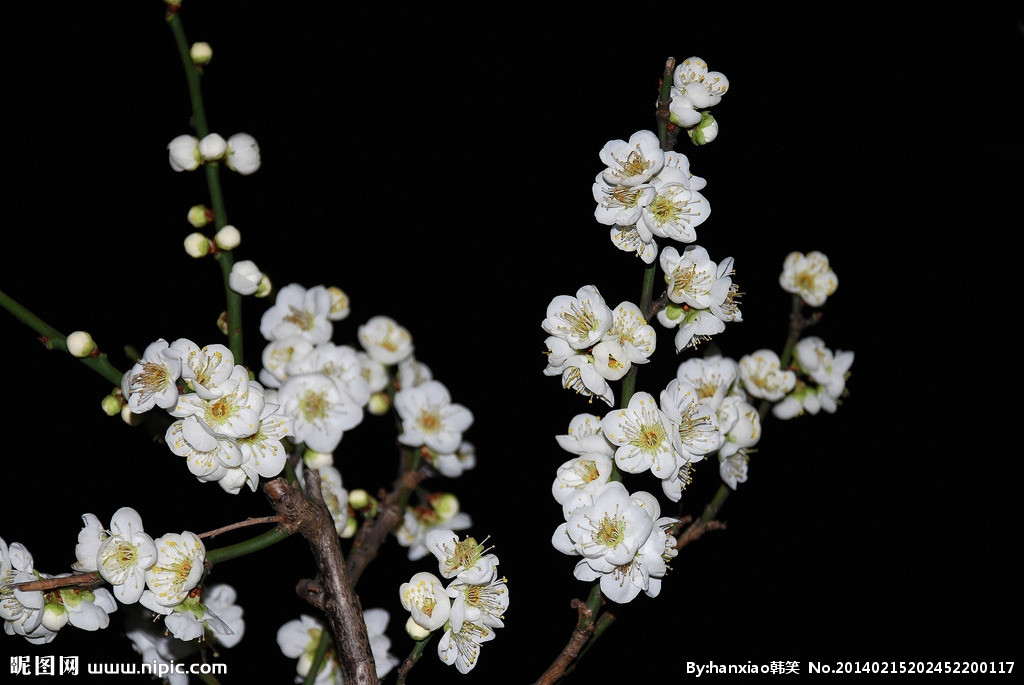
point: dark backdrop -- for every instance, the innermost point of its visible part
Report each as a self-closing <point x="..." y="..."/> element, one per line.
<point x="437" y="166"/>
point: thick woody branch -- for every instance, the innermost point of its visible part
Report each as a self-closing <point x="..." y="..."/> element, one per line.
<point x="580" y="636"/>
<point x="309" y="516"/>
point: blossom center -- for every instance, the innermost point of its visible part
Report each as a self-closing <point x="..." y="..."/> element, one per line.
<point x="302" y="319"/>
<point x="610" y="531"/>
<point x="313" y="405"/>
<point x="153" y="378"/>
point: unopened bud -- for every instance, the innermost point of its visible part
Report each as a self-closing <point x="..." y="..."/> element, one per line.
<point x="212" y="147"/>
<point x="80" y="344"/>
<point x="228" y="238"/>
<point x="445" y="504"/>
<point x="199" y="216"/>
<point x="265" y="287"/>
<point x="201" y="53"/>
<point x="55" y="616"/>
<point x="197" y="245"/>
<point x="111" y="405"/>
<point x="416" y="631"/>
<point x="350" y="529"/>
<point x="704" y="132"/>
<point x="222" y="323"/>
<point x="317" y="460"/>
<point x="340" y="305"/>
<point x="359" y="498"/>
<point x="379" y="404"/>
<point x="130" y="417"/>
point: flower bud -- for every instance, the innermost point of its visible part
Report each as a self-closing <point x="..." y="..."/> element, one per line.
<point x="350" y="529"/>
<point x="245" y="277"/>
<point x="228" y="238"/>
<point x="379" y="404"/>
<point x="111" y="405"/>
<point x="212" y="147"/>
<point x="80" y="344"/>
<point x="199" y="216"/>
<point x="340" y="305"/>
<point x="265" y="287"/>
<point x="243" y="154"/>
<point x="197" y="245"/>
<point x="317" y="460"/>
<point x="222" y="323"/>
<point x="704" y="132"/>
<point x="416" y="631"/>
<point x="445" y="504"/>
<point x="359" y="498"/>
<point x="55" y="616"/>
<point x="184" y="153"/>
<point x="201" y="53"/>
<point x="131" y="418"/>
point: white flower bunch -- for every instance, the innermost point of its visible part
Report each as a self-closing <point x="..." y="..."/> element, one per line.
<point x="468" y="610"/>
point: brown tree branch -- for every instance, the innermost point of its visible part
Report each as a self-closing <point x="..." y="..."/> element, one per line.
<point x="90" y="579"/>
<point x="373" y="533"/>
<point x="577" y="640"/>
<point x="333" y="589"/>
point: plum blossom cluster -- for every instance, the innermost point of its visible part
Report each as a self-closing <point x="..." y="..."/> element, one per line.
<point x="819" y="379"/>
<point x="239" y="152"/>
<point x="468" y="609"/>
<point x="299" y="639"/>
<point x="226" y="428"/>
<point x="161" y="575"/>
<point x="623" y="540"/>
<point x="589" y="345"/>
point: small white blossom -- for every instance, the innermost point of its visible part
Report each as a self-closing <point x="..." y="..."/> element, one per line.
<point x="242" y="154"/>
<point x="808" y="276"/>
<point x="384" y="340"/>
<point x="581" y="321"/>
<point x="632" y="162"/>
<point x="430" y="418"/>
<point x="178" y="567"/>
<point x="124" y="556"/>
<point x="152" y="380"/>
<point x="643" y="434"/>
<point x="763" y="376"/>
<point x="425" y="598"/>
<point x="320" y="411"/>
<point x="299" y="311"/>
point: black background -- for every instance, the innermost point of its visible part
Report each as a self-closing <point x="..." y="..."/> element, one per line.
<point x="437" y="166"/>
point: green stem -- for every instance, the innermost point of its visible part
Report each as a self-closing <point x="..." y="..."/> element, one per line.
<point x="54" y="339"/>
<point x="271" y="537"/>
<point x="414" y="656"/>
<point x="220" y="215"/>
<point x="318" y="658"/>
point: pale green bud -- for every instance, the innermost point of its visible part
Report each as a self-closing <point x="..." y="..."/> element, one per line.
<point x="201" y="53"/>
<point x="111" y="405"/>
<point x="445" y="504"/>
<point x="80" y="344"/>
<point x="129" y="417"/>
<point x="359" y="498"/>
<point x="197" y="245"/>
<point x="199" y="216"/>
<point x="349" y="531"/>
<point x="704" y="132"/>
<point x="55" y="616"/>
<point x="265" y="287"/>
<point x="379" y="404"/>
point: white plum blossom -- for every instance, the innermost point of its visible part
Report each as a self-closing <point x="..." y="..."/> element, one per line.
<point x="576" y="480"/>
<point x="611" y="529"/>
<point x="695" y="424"/>
<point x="808" y="276"/>
<point x="822" y="380"/>
<point x="712" y="377"/>
<point x="123" y="556"/>
<point x="630" y="330"/>
<point x="21" y="610"/>
<point x="86" y="609"/>
<point x="467" y="561"/>
<point x="152" y="380"/>
<point x="637" y="239"/>
<point x="483" y="603"/>
<point x="585" y="435"/>
<point x="733" y="469"/>
<point x="204" y="368"/>
<point x="279" y="354"/>
<point x="242" y="154"/>
<point x="441" y="511"/>
<point x="462" y="648"/>
<point x="263" y="452"/>
<point x="763" y="377"/>
<point x="632" y="162"/>
<point x="299" y="639"/>
<point x="384" y="340"/>
<point x="610" y="360"/>
<point x="221" y="601"/>
<point x="643" y="435"/>
<point x="720" y="300"/>
<point x="299" y="311"/>
<point x="580" y="321"/>
<point x="741" y="425"/>
<point x="619" y="205"/>
<point x="430" y="418"/>
<point x="694" y="86"/>
<point x="321" y="412"/>
<point x="675" y="211"/>
<point x="341" y="306"/>
<point x="178" y="567"/>
<point x="425" y="598"/>
<point x="689" y="275"/>
<point x="579" y="373"/>
<point x="453" y="464"/>
<point x="340" y="363"/>
<point x="376" y="620"/>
